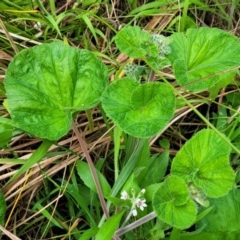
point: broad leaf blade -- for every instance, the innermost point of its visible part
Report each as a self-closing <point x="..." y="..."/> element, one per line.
<point x="86" y="176"/>
<point x="88" y="234"/>
<point x="173" y="204"/>
<point x="6" y="132"/>
<point x="141" y="110"/>
<point x="157" y="169"/>
<point x="135" y="42"/>
<point x="226" y="210"/>
<point x="108" y="229"/>
<point x="46" y="84"/>
<point x="200" y="56"/>
<point x="204" y="160"/>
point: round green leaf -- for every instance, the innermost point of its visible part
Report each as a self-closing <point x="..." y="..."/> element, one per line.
<point x="200" y="55"/>
<point x="173" y="204"/>
<point x="204" y="160"/>
<point x="135" y="42"/>
<point x="142" y="110"/>
<point x="46" y="84"/>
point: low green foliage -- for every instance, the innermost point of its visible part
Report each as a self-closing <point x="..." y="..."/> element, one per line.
<point x="173" y="204"/>
<point x="143" y="110"/>
<point x="204" y="161"/>
<point x="200" y="56"/>
<point x="48" y="85"/>
<point x="226" y="209"/>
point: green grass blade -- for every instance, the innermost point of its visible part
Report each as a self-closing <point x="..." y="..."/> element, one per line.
<point x="128" y="168"/>
<point x="35" y="158"/>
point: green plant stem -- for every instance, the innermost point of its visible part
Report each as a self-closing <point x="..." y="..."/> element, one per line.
<point x="117" y="143"/>
<point x="90" y="120"/>
<point x="128" y="216"/>
<point x="125" y="173"/>
<point x="175" y="234"/>
<point x="210" y="125"/>
<point x="92" y="168"/>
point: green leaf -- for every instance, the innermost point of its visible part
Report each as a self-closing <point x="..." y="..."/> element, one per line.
<point x="157" y="169"/>
<point x="211" y="236"/>
<point x="5" y="134"/>
<point x="45" y="212"/>
<point x="82" y="199"/>
<point x="135" y="43"/>
<point x="200" y="55"/>
<point x="108" y="229"/>
<point x="151" y="190"/>
<point x="7" y="121"/>
<point x="226" y="80"/>
<point x="118" y="202"/>
<point x="46" y="84"/>
<point x="130" y="184"/>
<point x="141" y="110"/>
<point x="88" y="234"/>
<point x="2" y="90"/>
<point x="234" y="99"/>
<point x="142" y="164"/>
<point x="164" y="143"/>
<point x="86" y="176"/>
<point x="3" y="208"/>
<point x="128" y="168"/>
<point x="175" y="234"/>
<point x="37" y="156"/>
<point x="204" y="160"/>
<point x="173" y="204"/>
<point x="226" y="210"/>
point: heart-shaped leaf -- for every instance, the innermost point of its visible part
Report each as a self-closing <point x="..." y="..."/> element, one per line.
<point x="173" y="204"/>
<point x="46" y="84"/>
<point x="142" y="110"/>
<point x="204" y="161"/>
<point x="135" y="42"/>
<point x="200" y="56"/>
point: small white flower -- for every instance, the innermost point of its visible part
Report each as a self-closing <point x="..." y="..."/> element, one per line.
<point x="124" y="195"/>
<point x="141" y="203"/>
<point x="137" y="202"/>
<point x="134" y="212"/>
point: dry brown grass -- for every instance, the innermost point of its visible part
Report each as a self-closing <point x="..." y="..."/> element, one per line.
<point x="22" y="191"/>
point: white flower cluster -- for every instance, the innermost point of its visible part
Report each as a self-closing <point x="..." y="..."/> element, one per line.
<point x="137" y="202"/>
